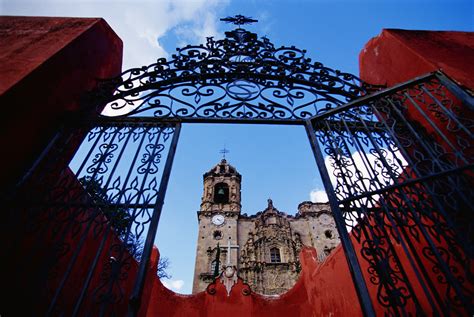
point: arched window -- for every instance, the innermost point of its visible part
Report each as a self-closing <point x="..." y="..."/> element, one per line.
<point x="275" y="255"/>
<point x="217" y="235"/>
<point x="221" y="193"/>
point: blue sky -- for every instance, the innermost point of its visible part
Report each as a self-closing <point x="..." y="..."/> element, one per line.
<point x="275" y="161"/>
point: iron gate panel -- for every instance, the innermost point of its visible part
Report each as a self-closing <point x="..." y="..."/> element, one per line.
<point x="402" y="184"/>
<point x="90" y="223"/>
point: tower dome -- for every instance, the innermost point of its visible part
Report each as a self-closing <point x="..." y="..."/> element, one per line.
<point x="221" y="188"/>
<point x="222" y="169"/>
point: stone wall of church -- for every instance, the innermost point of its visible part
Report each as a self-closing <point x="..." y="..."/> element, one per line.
<point x="209" y="236"/>
<point x="252" y="238"/>
<point x="316" y="226"/>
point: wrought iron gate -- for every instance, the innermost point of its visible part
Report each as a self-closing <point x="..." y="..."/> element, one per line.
<point x="396" y="164"/>
<point x="401" y="179"/>
<point x="89" y="223"/>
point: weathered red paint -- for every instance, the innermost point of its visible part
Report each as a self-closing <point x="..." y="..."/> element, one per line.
<point x="46" y="65"/>
<point x="396" y="56"/>
<point x="77" y="230"/>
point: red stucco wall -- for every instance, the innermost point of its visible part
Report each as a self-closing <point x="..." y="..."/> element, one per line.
<point x="321" y="290"/>
<point x="395" y="56"/>
<point x="46" y="65"/>
<point x="54" y="257"/>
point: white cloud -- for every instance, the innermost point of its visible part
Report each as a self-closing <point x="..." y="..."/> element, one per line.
<point x="361" y="174"/>
<point x="364" y="173"/>
<point x="318" y="196"/>
<point x="174" y="285"/>
<point x="265" y="22"/>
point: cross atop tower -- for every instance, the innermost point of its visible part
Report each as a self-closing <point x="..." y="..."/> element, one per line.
<point x="223" y="152"/>
<point x="239" y="20"/>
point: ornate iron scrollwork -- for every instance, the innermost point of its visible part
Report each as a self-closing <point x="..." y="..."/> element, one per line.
<point x="239" y="76"/>
<point x="402" y="185"/>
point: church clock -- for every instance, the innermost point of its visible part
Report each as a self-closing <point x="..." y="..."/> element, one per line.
<point x="218" y="220"/>
<point x="325" y="219"/>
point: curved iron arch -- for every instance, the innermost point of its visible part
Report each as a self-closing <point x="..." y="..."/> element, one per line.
<point x="238" y="77"/>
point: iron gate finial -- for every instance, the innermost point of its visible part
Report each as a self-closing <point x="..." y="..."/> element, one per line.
<point x="239" y="20"/>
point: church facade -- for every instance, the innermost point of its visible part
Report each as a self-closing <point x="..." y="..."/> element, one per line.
<point x="264" y="247"/>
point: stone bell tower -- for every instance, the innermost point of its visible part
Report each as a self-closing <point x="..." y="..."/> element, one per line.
<point x="217" y="217"/>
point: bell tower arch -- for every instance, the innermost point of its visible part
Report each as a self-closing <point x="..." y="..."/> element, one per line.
<point x="222" y="189"/>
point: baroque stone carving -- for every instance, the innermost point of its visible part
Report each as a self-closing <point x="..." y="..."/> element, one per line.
<point x="263" y="273"/>
<point x="254" y="236"/>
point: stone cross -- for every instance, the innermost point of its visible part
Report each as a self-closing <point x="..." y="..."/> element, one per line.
<point x="223" y="152"/>
<point x="229" y="246"/>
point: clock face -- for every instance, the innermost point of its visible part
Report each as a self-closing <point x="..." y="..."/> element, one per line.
<point x="218" y="220"/>
<point x="325" y="219"/>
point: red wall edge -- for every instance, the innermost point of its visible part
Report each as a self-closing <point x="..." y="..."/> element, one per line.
<point x="46" y="65"/>
<point x="321" y="289"/>
<point x="395" y="56"/>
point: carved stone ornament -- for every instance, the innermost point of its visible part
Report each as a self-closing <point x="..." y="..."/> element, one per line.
<point x="229" y="278"/>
